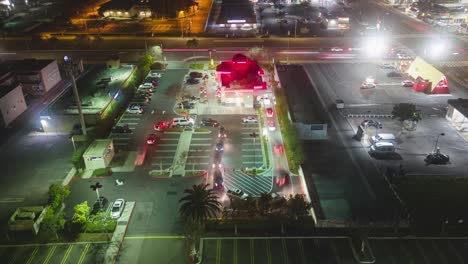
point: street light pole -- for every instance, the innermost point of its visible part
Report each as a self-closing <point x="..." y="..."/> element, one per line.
<point x="437" y="141"/>
<point x="287" y="52"/>
<point x="78" y="102"/>
<point x="96" y="187"/>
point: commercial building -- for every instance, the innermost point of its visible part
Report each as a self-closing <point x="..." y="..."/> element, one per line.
<point x="99" y="154"/>
<point x="427" y="78"/>
<point x="146" y="8"/>
<point x="240" y="80"/>
<point x="37" y="77"/>
<point x="457" y="113"/>
<point x="236" y="14"/>
<point x="12" y="102"/>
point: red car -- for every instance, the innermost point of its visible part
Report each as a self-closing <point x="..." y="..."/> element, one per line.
<point x="269" y="112"/>
<point x="278" y="149"/>
<point x="161" y="126"/>
<point x="151" y="140"/>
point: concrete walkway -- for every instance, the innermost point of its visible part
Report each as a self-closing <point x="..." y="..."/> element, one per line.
<point x="181" y="153"/>
<point x="119" y="233"/>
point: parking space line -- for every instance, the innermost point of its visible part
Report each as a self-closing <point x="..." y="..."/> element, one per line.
<point x="218" y="251"/>
<point x="207" y="138"/>
<point x="234" y="256"/>
<point x="268" y="251"/>
<point x="167" y="145"/>
<point x="252" y="149"/>
<point x="33" y="254"/>
<point x="199" y="144"/>
<point x="83" y="254"/>
<point x="67" y="253"/>
<point x="49" y="255"/>
<point x="165" y="150"/>
<point x="251" y="143"/>
<point x="438" y="252"/>
<point x="169" y="139"/>
<point x="301" y="250"/>
<point x="252" y="255"/>
<point x="421" y="250"/>
<point x="335" y="253"/>
<point x="285" y="249"/>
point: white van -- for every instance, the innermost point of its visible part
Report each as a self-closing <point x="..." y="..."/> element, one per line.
<point x="382" y="148"/>
<point x="182" y="121"/>
<point x="383" y="137"/>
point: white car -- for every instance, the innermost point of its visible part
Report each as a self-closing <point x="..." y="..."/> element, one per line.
<point x="407" y="83"/>
<point x="237" y="193"/>
<point x="336" y="49"/>
<point x="155" y="74"/>
<point x="135" y="109"/>
<point x="249" y="120"/>
<point x="117" y="208"/>
<point x="271" y="125"/>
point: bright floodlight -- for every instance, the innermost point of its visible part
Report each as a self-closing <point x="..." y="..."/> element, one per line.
<point x="375" y="46"/>
<point x="44" y="122"/>
<point x="437" y="49"/>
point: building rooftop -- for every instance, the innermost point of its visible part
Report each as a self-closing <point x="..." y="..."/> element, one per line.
<point x="117" y="5"/>
<point x="98" y="147"/>
<point x="240" y="10"/>
<point x="460" y="104"/>
<point x="26" y="65"/>
<point x="5" y="89"/>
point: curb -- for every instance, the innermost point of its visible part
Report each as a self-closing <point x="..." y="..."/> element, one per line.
<point x="124" y="234"/>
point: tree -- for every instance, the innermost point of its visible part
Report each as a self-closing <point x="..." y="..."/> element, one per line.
<point x="264" y="204"/>
<point x="81" y="215"/>
<point x="199" y="204"/>
<point x="297" y="206"/>
<point x="192" y="43"/>
<point x="406" y="111"/>
<point x="57" y="194"/>
<point x="52" y="223"/>
<point x="250" y="206"/>
<point x="258" y="54"/>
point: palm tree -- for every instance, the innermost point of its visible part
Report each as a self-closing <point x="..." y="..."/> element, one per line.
<point x="199" y="204"/>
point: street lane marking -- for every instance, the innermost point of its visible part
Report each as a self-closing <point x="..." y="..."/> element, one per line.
<point x="208" y="138"/>
<point x="169" y="139"/>
<point x="285" y="249"/>
<point x="234" y="261"/>
<point x="199" y="144"/>
<point x="251" y="143"/>
<point x="155" y="237"/>
<point x="165" y="150"/>
<point x="32" y="255"/>
<point x="83" y="254"/>
<point x="11" y="200"/>
<point x="67" y="253"/>
<point x="252" y="254"/>
<point x="301" y="250"/>
<point x="268" y="251"/>
<point x="167" y="145"/>
<point x="218" y="251"/>
<point x="49" y="255"/>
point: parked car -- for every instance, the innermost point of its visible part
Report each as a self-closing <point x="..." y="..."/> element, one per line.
<point x="387" y="66"/>
<point x="237" y="193"/>
<point x="151" y="139"/>
<point x="250" y="120"/>
<point x="222" y="132"/>
<point x="269" y="112"/>
<point x="121" y="129"/>
<point x="437" y="158"/>
<point x="192" y="81"/>
<point x="407" y="83"/>
<point x="194" y="75"/>
<point x="209" y="122"/>
<point x="393" y="74"/>
<point x="219" y="147"/>
<point x="135" y="109"/>
<point x="371" y="123"/>
<point x="155" y="74"/>
<point x="117" y="208"/>
<point x="161" y="126"/>
<point x="367" y="85"/>
<point x="101" y="204"/>
<point x="186" y="105"/>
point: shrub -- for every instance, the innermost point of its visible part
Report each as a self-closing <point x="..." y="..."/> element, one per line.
<point x="102" y="172"/>
<point x="57" y="194"/>
<point x="100" y="223"/>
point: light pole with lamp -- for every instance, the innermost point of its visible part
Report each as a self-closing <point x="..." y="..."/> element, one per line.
<point x="95" y="187"/>
<point x="436" y="150"/>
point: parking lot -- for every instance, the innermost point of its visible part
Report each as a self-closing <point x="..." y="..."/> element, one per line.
<point x="55" y="253"/>
<point x="341" y="81"/>
<point x="276" y="250"/>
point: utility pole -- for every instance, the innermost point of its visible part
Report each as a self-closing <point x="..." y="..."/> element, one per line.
<point x="78" y="102"/>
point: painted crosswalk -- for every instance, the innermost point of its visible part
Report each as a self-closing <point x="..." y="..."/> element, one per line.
<point x="252" y="185"/>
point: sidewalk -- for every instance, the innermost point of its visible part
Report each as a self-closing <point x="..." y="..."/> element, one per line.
<point x="180" y="159"/>
<point x="119" y="233"/>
